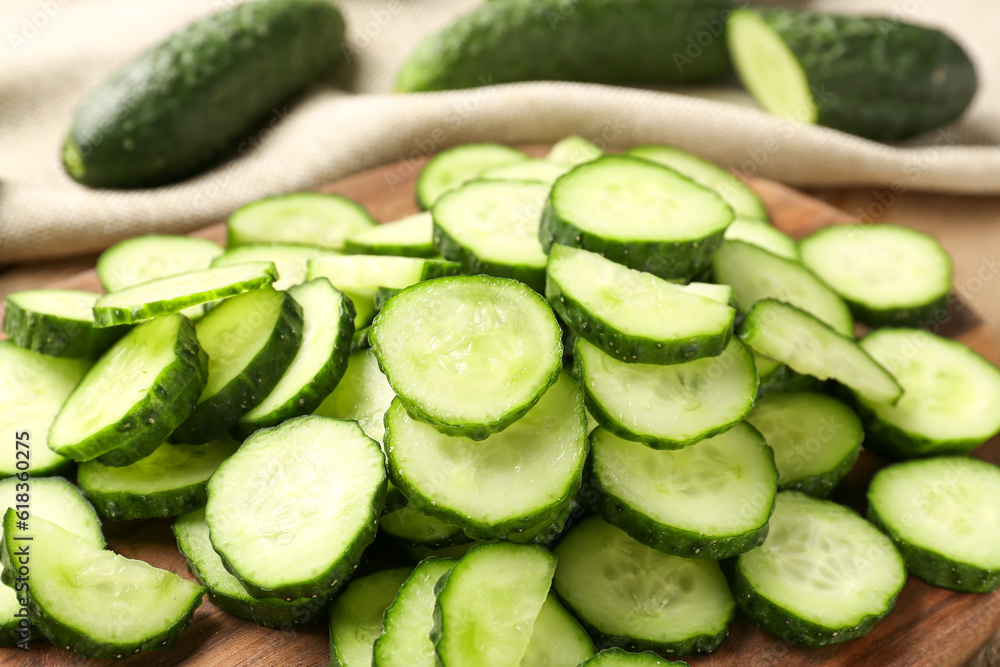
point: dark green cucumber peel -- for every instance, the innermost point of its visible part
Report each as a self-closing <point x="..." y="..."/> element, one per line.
<point x="821" y="486"/>
<point x="54" y="335"/>
<point x="196" y="97"/>
<point x="604" y="41"/>
<point x="783" y="378"/>
<point x="892" y="442"/>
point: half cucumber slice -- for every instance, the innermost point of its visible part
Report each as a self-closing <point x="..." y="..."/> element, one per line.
<point x="291" y="260"/>
<point x="469" y="355"/>
<point x="451" y="168"/>
<point x="557" y="639"/>
<point x="134" y="396"/>
<point x="405" y="640"/>
<point x="59" y="323"/>
<point x="356" y="616"/>
<point x="824" y="575"/>
<point x="363" y="394"/>
<point x="412" y="236"/>
<point x="311" y="218"/>
<point x="291" y="511"/>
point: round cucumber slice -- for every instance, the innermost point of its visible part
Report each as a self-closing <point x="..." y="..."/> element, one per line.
<point x="59" y="323"/>
<point x="312" y="218"/>
<point x="763" y="235"/>
<point x="363" y="394"/>
<point x="540" y="170"/>
<point x="356" y="616"/>
<point x="291" y="260"/>
<point x="409" y="525"/>
<point x="144" y="258"/>
<point x="412" y="236"/>
<point x="574" y="150"/>
<point x="451" y="168"/>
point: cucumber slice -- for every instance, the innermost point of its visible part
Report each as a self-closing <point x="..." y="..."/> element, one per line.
<point x="548" y="529"/>
<point x="944" y="516"/>
<point x="420" y="552"/>
<point x="710" y="500"/>
<point x="816" y="439"/>
<point x="322" y="220"/>
<point x="951" y="396"/>
<point x="469" y="355"/>
<point x="627" y="594"/>
<point x="889" y="275"/>
<point x="540" y="170"/>
<point x="290" y="260"/>
<point x="757" y="274"/>
<point x="491" y="227"/>
<point x="675" y="225"/>
<point x="763" y="235"/>
<point x="405" y="640"/>
<point x="33" y="388"/>
<point x="412" y="236"/>
<point x="616" y="657"/>
<point x="96" y="602"/>
<point x="58" y="323"/>
<point x="168" y="482"/>
<point x="743" y="200"/>
<point x="328" y="325"/>
<point x="631" y="315"/>
<point x="824" y="575"/>
<point x="143" y="258"/>
<point x="134" y="396"/>
<point x="512" y="481"/>
<point x="251" y="340"/>
<point x="172" y="294"/>
<point x="226" y="591"/>
<point x="291" y="511"/>
<point x="668" y="407"/>
<point x="451" y="168"/>
<point x="721" y="293"/>
<point x="776" y="376"/>
<point x="487" y="604"/>
<point x="809" y="346"/>
<point x="356" y="616"/>
<point x="363" y="395"/>
<point x="557" y="639"/>
<point x="574" y="150"/>
<point x="410" y="526"/>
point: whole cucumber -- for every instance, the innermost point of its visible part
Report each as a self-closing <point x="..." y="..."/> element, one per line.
<point x="604" y="41"/>
<point x="196" y="97"/>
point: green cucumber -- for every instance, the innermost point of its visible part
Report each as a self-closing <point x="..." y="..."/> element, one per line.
<point x="451" y="168"/>
<point x="776" y="376"/>
<point x="59" y="323"/>
<point x="168" y="482"/>
<point x="143" y="258"/>
<point x="868" y="75"/>
<point x="675" y="225"/>
<point x="310" y="218"/>
<point x="540" y="170"/>
<point x="574" y="150"/>
<point x="187" y="102"/>
<point x="557" y="639"/>
<point x="412" y="236"/>
<point x="291" y="511"/>
<point x="616" y="657"/>
<point x="291" y="260"/>
<point x="134" y="396"/>
<point x="410" y="526"/>
<point x="763" y="235"/>
<point x="363" y="395"/>
<point x="405" y="640"/>
<point x="356" y="616"/>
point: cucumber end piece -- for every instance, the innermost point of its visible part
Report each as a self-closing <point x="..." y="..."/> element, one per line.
<point x="73" y="162"/>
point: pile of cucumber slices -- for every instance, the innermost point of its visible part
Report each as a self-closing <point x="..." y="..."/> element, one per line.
<point x="597" y="400"/>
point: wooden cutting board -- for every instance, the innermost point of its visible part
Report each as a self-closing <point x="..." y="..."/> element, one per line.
<point x="928" y="627"/>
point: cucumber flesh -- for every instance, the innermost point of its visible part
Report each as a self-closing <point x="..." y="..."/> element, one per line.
<point x="144" y="258"/>
<point x="356" y="616"/>
<point x="616" y="657"/>
<point x="574" y="150"/>
<point x="405" y="640"/>
<point x="541" y="170"/>
<point x="451" y="168"/>
<point x="59" y="323"/>
<point x="764" y="235"/>
<point x="557" y="639"/>
<point x="409" y="525"/>
<point x="363" y="394"/>
<point x="291" y="260"/>
<point x="311" y="218"/>
<point x="412" y="236"/>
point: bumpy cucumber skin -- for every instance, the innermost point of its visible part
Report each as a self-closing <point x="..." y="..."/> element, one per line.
<point x="192" y="99"/>
<point x="169" y="401"/>
<point x="123" y="506"/>
<point x="604" y="41"/>
<point x="627" y="347"/>
<point x="451" y="249"/>
<point x="899" y="317"/>
<point x="56" y="336"/>
<point x="213" y="417"/>
<point x="876" y="77"/>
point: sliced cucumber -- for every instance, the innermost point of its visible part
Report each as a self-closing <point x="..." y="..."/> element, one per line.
<point x="412" y="236"/>
<point x="33" y="388"/>
<point x="668" y="407"/>
<point x="58" y="323"/>
<point x="226" y="591"/>
<point x="743" y="200"/>
<point x="809" y="346"/>
<point x="363" y="395"/>
<point x="557" y="639"/>
<point x="311" y="218"/>
<point x="889" y="275"/>
<point x="763" y="235"/>
<point x="512" y="481"/>
<point x="319" y="363"/>
<point x="291" y="260"/>
<point x="410" y="526"/>
<point x="421" y="552"/>
<point x="172" y="294"/>
<point x="143" y="258"/>
<point x="468" y="354"/>
<point x="616" y="657"/>
<point x="627" y="594"/>
<point x="721" y="293"/>
<point x="356" y="616"/>
<point x="487" y="604"/>
<point x="491" y="227"/>
<point x="92" y="601"/>
<point x="710" y="500"/>
<point x="540" y="170"/>
<point x="757" y="274"/>
<point x="574" y="150"/>
<point x="944" y="516"/>
<point x="824" y="575"/>
<point x="631" y="315"/>
<point x="291" y="511"/>
<point x="451" y="168"/>
<point x="405" y="640"/>
<point x="951" y="396"/>
<point x="776" y="376"/>
<point x="816" y="439"/>
<point x="136" y="394"/>
<point x="168" y="482"/>
<point x="251" y="340"/>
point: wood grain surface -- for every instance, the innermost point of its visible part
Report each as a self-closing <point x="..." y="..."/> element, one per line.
<point x="929" y="626"/>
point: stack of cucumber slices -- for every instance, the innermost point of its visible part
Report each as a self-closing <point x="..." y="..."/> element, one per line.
<point x="583" y="401"/>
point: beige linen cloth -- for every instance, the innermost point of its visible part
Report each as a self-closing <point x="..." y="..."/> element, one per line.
<point x="52" y="52"/>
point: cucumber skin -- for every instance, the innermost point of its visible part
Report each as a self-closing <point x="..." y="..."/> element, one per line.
<point x="784" y="378"/>
<point x="821" y="486"/>
<point x="213" y="417"/>
<point x="603" y="41"/>
<point x="894" y="443"/>
<point x="57" y="336"/>
<point x="628" y="347"/>
<point x="877" y="78"/>
<point x="169" y="401"/>
<point x="124" y="506"/>
<point x="471" y="264"/>
<point x="616" y="657"/>
<point x="192" y="99"/>
<point x="918" y="316"/>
